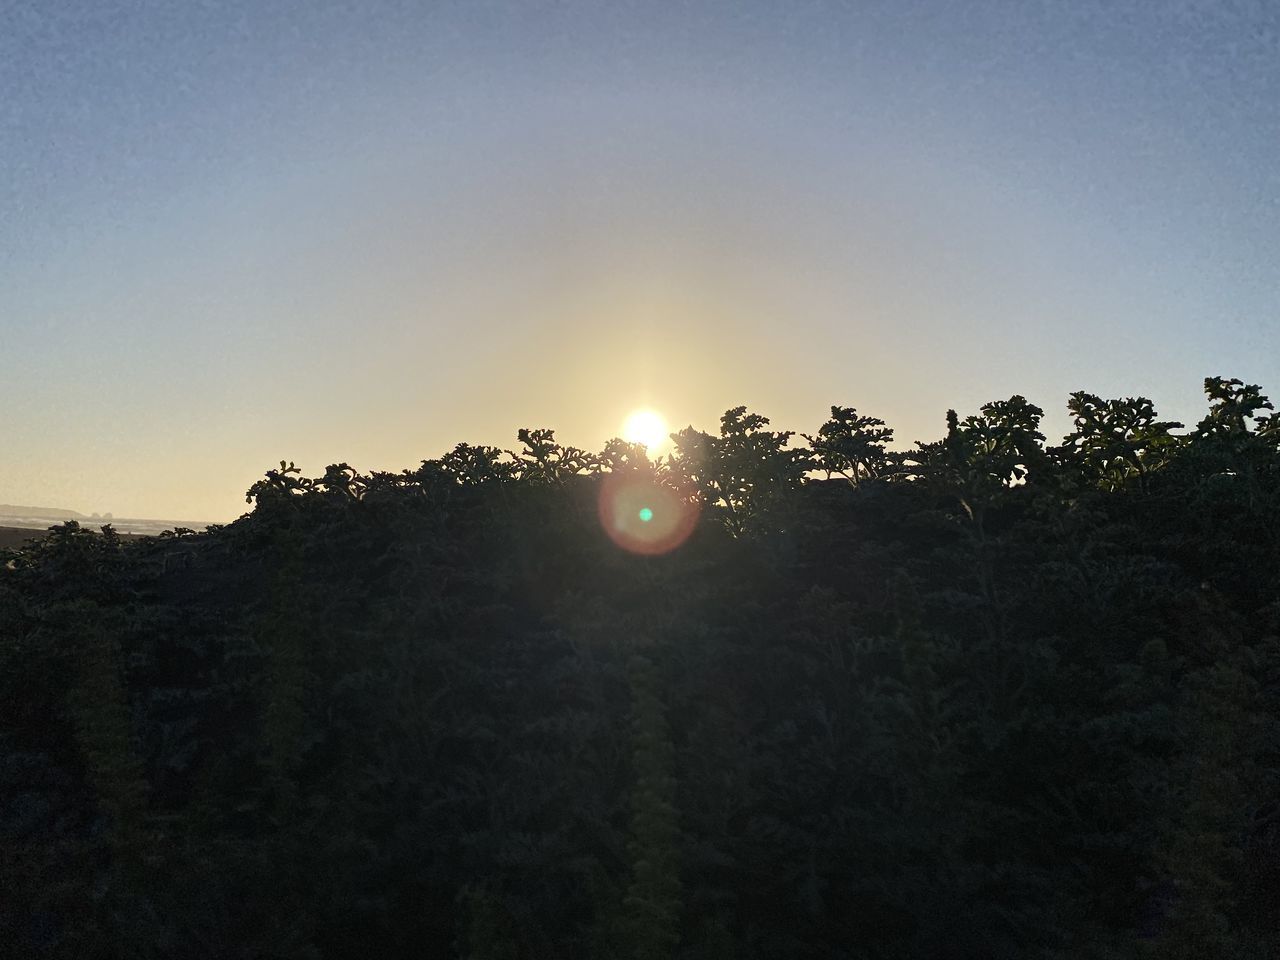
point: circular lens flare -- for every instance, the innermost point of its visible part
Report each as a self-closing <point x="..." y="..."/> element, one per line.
<point x="643" y="516"/>
<point x="647" y="427"/>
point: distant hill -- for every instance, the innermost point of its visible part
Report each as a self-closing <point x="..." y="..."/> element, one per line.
<point x="39" y="513"/>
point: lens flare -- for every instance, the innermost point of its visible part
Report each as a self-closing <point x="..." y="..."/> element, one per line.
<point x="643" y="516"/>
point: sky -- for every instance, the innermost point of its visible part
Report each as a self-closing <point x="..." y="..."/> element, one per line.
<point x="238" y="232"/>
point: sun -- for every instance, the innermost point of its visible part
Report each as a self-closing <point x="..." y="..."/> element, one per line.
<point x="646" y="426"/>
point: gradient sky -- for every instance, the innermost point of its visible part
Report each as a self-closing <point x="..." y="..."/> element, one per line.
<point x="235" y="232"/>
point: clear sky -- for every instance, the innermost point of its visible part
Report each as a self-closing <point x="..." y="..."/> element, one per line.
<point x="234" y="232"/>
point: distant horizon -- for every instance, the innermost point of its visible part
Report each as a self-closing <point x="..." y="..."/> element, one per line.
<point x="15" y="516"/>
<point x="1055" y="426"/>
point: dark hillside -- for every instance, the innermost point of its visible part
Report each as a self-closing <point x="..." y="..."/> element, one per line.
<point x="988" y="698"/>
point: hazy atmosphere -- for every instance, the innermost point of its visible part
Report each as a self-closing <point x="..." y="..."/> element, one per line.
<point x="236" y="232"/>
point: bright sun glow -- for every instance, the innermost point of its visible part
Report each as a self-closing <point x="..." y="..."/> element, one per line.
<point x="647" y="427"/>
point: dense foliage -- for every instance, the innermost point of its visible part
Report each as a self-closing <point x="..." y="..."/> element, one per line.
<point x="987" y="698"/>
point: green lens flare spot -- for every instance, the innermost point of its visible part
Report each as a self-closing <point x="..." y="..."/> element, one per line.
<point x="645" y="514"/>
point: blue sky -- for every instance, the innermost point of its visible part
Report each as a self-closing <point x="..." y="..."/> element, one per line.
<point x="236" y="232"/>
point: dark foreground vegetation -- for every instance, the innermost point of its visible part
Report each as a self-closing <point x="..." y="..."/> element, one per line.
<point x="12" y="538"/>
<point x="986" y="699"/>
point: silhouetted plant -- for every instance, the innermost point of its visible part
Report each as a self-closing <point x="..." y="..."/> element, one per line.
<point x="285" y="482"/>
<point x="1115" y="440"/>
<point x="746" y="473"/>
<point x="545" y="461"/>
<point x="472" y="466"/>
<point x="852" y="446"/>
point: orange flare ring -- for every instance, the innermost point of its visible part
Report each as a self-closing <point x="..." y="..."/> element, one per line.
<point x="643" y="516"/>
